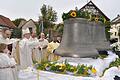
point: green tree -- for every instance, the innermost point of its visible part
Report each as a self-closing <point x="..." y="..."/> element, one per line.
<point x="16" y="33"/>
<point x="37" y="30"/>
<point x="107" y="29"/>
<point x="48" y="16"/>
<point x="17" y="21"/>
<point x="59" y="28"/>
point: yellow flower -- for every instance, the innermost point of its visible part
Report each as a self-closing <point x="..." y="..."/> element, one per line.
<point x="61" y="67"/>
<point x="90" y="17"/>
<point x="72" y="68"/>
<point x="73" y="14"/>
<point x="46" y="65"/>
<point x="96" y="19"/>
<point x="93" y="70"/>
<point x="86" y="68"/>
<point x="104" y="20"/>
<point x="57" y="64"/>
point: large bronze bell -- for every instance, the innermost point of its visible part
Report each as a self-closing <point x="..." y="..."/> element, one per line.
<point x="99" y="36"/>
<point x="81" y="38"/>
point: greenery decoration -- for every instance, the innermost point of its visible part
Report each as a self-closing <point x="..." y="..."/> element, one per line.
<point x="102" y="56"/>
<point x="66" y="68"/>
<point x="82" y="70"/>
<point x="115" y="63"/>
<point x="16" y="33"/>
<point x="85" y="14"/>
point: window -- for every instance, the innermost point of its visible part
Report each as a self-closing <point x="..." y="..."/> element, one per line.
<point x="115" y="33"/>
<point x="30" y="30"/>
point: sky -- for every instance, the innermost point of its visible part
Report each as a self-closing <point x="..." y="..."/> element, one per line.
<point x="30" y="9"/>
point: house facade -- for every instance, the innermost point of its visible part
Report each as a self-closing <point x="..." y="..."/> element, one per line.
<point x="22" y="22"/>
<point x="29" y="24"/>
<point x="115" y="28"/>
<point x="93" y="9"/>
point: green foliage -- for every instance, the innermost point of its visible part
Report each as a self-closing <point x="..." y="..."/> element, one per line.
<point x="107" y="29"/>
<point x="54" y="68"/>
<point x="44" y="11"/>
<point x="104" y="71"/>
<point x="17" y="21"/>
<point x="59" y="28"/>
<point x="70" y="68"/>
<point x="16" y="33"/>
<point x="37" y="30"/>
<point x="48" y="15"/>
<point x="65" y="67"/>
<point x="34" y="61"/>
<point x="80" y="69"/>
<point x="40" y="67"/>
<point x="102" y="56"/>
<point x="65" y="16"/>
<point x="57" y="68"/>
<point x="115" y="63"/>
<point x="86" y="15"/>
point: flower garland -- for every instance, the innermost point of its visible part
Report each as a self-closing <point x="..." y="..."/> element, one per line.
<point x="84" y="14"/>
<point x="66" y="68"/>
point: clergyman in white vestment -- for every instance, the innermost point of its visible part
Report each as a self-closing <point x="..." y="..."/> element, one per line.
<point x="26" y="46"/>
<point x="43" y="44"/>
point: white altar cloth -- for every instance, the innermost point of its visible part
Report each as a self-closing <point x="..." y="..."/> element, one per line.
<point x="99" y="64"/>
<point x="44" y="75"/>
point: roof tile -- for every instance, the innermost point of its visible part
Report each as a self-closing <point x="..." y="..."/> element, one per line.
<point x="6" y="22"/>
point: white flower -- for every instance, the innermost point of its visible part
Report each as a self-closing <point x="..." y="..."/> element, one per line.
<point x="116" y="45"/>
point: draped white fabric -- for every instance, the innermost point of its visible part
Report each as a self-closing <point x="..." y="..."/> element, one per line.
<point x="7" y="73"/>
<point x="99" y="64"/>
<point x="44" y="75"/>
<point x="26" y="47"/>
